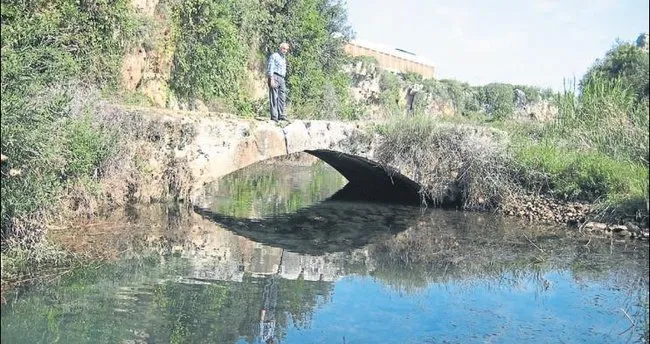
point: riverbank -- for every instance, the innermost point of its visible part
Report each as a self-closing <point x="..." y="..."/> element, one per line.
<point x="515" y="172"/>
<point x="583" y="217"/>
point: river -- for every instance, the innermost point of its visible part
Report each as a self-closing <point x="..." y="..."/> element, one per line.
<point x="267" y="255"/>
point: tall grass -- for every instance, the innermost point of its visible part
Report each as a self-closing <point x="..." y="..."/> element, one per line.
<point x="48" y="136"/>
<point x="578" y="175"/>
<point x="595" y="150"/>
<point x="605" y="116"/>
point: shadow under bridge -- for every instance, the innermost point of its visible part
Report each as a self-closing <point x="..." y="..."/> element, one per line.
<point x="369" y="180"/>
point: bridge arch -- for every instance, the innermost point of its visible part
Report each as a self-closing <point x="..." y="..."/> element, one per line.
<point x="227" y="146"/>
<point x="369" y="180"/>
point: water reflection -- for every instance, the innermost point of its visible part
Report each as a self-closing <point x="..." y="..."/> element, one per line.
<point x="268" y="188"/>
<point x="283" y="274"/>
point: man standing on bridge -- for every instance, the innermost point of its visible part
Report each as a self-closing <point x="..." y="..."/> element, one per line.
<point x="276" y="72"/>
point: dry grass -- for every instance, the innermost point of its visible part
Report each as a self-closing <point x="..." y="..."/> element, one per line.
<point x="462" y="165"/>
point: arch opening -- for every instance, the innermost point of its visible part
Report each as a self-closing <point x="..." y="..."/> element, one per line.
<point x="370" y="181"/>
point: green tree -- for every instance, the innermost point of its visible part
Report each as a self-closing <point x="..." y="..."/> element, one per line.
<point x="209" y="60"/>
<point x="498" y="100"/>
<point x="316" y="31"/>
<point x="623" y="61"/>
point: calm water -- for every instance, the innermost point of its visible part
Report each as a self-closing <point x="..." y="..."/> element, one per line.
<point x="263" y="258"/>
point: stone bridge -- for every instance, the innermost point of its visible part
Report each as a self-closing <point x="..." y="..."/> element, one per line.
<point x="221" y="146"/>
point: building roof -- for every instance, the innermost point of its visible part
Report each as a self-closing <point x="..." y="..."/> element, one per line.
<point x="393" y="51"/>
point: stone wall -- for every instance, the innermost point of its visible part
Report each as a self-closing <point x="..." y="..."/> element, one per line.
<point x="189" y="151"/>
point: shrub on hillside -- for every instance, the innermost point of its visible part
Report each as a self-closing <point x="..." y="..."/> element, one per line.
<point x="210" y="61"/>
<point x="463" y="97"/>
<point x="46" y="41"/>
<point x="389" y="92"/>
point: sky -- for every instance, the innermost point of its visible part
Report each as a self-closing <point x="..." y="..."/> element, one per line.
<point x="530" y="42"/>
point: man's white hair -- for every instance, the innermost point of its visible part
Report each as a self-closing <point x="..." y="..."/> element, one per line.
<point x="284" y="45"/>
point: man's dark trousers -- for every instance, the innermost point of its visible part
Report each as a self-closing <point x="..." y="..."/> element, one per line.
<point x="277" y="97"/>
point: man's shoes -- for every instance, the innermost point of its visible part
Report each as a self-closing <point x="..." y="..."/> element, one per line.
<point x="278" y="120"/>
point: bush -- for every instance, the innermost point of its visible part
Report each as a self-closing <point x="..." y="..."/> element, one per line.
<point x="389" y="91"/>
<point x="46" y="41"/>
<point x="467" y="166"/>
<point x="364" y="60"/>
<point x="626" y="62"/>
<point x="463" y="97"/>
<point x="51" y="139"/>
<point x="494" y="100"/>
<point x="498" y="100"/>
<point x="210" y="60"/>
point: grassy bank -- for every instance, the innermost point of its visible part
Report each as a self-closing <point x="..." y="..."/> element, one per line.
<point x="596" y="151"/>
<point x="72" y="159"/>
<point x="58" y="151"/>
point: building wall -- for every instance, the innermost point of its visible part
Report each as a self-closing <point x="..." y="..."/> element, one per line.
<point x="391" y="62"/>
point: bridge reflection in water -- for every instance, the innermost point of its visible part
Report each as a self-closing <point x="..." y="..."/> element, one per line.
<point x="264" y="251"/>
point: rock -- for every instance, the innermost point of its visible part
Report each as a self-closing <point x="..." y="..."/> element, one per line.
<point x="146" y="7"/>
<point x="624" y="233"/>
<point x="542" y="110"/>
<point x="618" y="228"/>
<point x="199" y="105"/>
<point x="632" y="227"/>
<point x="133" y="67"/>
<point x="595" y="226"/>
<point x="156" y="90"/>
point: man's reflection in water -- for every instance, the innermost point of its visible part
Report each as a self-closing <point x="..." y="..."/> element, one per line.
<point x="267" y="314"/>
